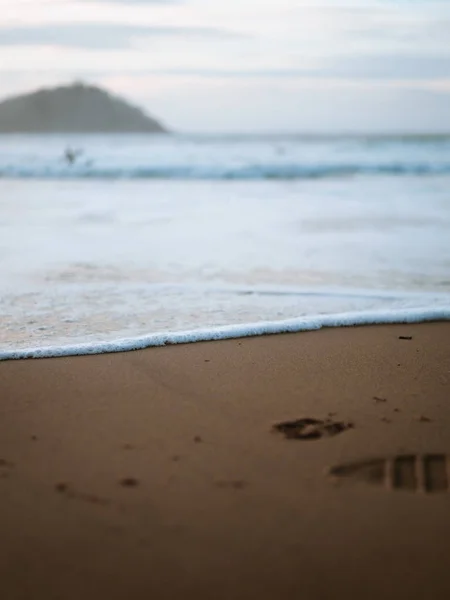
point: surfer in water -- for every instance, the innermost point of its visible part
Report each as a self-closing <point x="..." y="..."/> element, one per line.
<point x="71" y="155"/>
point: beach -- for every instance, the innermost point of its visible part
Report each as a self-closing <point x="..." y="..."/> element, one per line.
<point x="186" y="471"/>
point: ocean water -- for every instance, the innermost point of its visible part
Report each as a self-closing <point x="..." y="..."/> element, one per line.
<point x="146" y="238"/>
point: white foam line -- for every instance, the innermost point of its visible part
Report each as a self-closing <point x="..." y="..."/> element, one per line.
<point x="235" y="331"/>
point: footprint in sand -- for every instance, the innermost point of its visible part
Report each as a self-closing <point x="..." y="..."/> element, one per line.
<point x="311" y="429"/>
<point x="428" y="473"/>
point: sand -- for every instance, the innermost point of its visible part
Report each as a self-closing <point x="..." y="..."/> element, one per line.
<point x="159" y="473"/>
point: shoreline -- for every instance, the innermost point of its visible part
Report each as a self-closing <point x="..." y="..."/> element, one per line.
<point x="179" y="471"/>
<point x="229" y="332"/>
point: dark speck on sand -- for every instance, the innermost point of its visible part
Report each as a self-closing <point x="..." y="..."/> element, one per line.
<point x="129" y="482"/>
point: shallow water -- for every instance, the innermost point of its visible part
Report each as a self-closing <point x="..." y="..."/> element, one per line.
<point x="100" y="259"/>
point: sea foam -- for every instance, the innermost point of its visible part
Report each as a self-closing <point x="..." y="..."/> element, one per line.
<point x="235" y="331"/>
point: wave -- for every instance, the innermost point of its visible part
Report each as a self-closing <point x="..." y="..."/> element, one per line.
<point x="291" y="171"/>
<point x="314" y="322"/>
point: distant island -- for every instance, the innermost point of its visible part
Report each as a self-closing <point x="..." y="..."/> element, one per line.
<point x="77" y="108"/>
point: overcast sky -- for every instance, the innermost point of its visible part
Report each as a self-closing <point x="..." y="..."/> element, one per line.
<point x="243" y="65"/>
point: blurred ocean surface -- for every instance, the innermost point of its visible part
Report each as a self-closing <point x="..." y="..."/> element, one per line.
<point x="147" y="234"/>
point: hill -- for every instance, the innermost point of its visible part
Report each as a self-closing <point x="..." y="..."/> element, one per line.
<point x="76" y="108"/>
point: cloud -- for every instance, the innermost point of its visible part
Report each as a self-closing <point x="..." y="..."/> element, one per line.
<point x="390" y="66"/>
<point x="387" y="67"/>
<point x="99" y="36"/>
<point x="128" y="2"/>
<point x="135" y="1"/>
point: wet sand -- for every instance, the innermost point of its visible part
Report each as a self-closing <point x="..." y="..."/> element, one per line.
<point x="310" y="465"/>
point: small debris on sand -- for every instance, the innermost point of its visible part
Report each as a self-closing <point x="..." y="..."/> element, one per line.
<point x="129" y="482"/>
<point x="405" y="337"/>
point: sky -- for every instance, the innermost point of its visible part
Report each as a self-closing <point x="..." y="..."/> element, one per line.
<point x="243" y="65"/>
